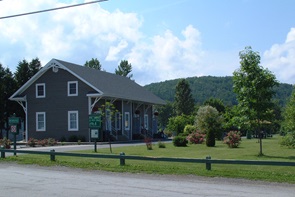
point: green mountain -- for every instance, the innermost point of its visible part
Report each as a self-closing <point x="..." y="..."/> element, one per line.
<point x="206" y="87"/>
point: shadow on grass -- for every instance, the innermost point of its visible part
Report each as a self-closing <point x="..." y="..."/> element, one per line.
<point x="279" y="157"/>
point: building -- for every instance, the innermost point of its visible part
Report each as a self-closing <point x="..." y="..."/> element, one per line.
<point x="59" y="99"/>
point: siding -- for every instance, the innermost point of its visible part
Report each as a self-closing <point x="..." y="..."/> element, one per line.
<point x="56" y="104"/>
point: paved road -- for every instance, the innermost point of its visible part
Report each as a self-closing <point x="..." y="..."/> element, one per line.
<point x="22" y="181"/>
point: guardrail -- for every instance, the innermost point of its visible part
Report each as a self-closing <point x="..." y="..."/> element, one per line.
<point x="122" y="157"/>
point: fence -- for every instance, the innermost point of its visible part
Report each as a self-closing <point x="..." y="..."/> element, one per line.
<point x="122" y="157"/>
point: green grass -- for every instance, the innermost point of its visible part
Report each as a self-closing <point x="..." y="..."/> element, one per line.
<point x="248" y="150"/>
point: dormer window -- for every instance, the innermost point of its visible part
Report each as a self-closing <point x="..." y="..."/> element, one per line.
<point x="40" y="90"/>
<point x="73" y="88"/>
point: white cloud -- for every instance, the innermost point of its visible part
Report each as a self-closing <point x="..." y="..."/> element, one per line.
<point x="280" y="59"/>
<point x="76" y="34"/>
<point x="167" y="56"/>
<point x="81" y="33"/>
<point x="113" y="51"/>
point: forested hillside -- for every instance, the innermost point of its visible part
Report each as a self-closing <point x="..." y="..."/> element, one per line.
<point x="206" y="87"/>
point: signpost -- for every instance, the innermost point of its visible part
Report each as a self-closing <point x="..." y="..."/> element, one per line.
<point x="94" y="125"/>
<point x="14" y="129"/>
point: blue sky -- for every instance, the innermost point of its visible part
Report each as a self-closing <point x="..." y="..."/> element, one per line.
<point x="162" y="39"/>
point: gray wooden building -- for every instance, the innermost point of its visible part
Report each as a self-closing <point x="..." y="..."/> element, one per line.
<point x="59" y="99"/>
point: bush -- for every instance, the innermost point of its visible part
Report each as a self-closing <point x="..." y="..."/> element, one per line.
<point x="196" y="137"/>
<point x="32" y="142"/>
<point x="43" y="142"/>
<point x="161" y="144"/>
<point x="51" y="141"/>
<point x="5" y="143"/>
<point x="180" y="141"/>
<point x="177" y="124"/>
<point x="289" y="140"/>
<point x="210" y="138"/>
<point x="148" y="142"/>
<point x="232" y="139"/>
<point x="73" y="138"/>
<point x="188" y="129"/>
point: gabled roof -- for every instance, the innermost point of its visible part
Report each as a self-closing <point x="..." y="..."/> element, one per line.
<point x="105" y="84"/>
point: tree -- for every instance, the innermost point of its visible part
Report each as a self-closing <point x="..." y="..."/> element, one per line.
<point x="7" y="107"/>
<point x="93" y="63"/>
<point x="216" y="103"/>
<point x="209" y="121"/>
<point x="26" y="71"/>
<point x="254" y="88"/>
<point x="165" y="112"/>
<point x="289" y="114"/>
<point x="124" y="69"/>
<point x="184" y="102"/>
<point x="177" y="124"/>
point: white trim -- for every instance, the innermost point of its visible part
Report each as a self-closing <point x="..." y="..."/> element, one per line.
<point x="39" y="121"/>
<point x="49" y="65"/>
<point x="77" y="121"/>
<point x="44" y="90"/>
<point x="69" y="90"/>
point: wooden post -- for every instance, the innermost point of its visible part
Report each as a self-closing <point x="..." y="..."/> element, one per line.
<point x="122" y="160"/>
<point x="2" y="154"/>
<point x="52" y="155"/>
<point x="208" y="164"/>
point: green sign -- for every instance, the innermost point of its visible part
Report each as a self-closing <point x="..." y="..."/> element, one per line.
<point x="94" y="121"/>
<point x="13" y="120"/>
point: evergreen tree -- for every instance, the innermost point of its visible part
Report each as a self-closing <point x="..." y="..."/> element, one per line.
<point x="124" y="69"/>
<point x="184" y="102"/>
<point x="93" y="63"/>
<point x="26" y="71"/>
<point x="7" y="107"/>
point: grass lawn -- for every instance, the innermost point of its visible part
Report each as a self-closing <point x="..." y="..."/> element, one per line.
<point x="248" y="150"/>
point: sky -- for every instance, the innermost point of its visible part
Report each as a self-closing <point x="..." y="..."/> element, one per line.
<point x="161" y="39"/>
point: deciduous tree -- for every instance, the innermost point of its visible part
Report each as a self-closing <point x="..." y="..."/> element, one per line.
<point x="254" y="88"/>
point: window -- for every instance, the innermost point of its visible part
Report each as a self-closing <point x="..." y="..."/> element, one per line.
<point x="40" y="121"/>
<point x="73" y="120"/>
<point x="127" y="121"/>
<point x="146" y="121"/>
<point x="73" y="88"/>
<point x="118" y="121"/>
<point x="40" y="90"/>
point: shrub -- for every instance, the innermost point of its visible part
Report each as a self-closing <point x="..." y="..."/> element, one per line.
<point x="233" y="139"/>
<point x="177" y="124"/>
<point x="188" y="129"/>
<point x="289" y="140"/>
<point x="82" y="138"/>
<point x="196" y="137"/>
<point x="148" y="142"/>
<point x="161" y="144"/>
<point x="73" y="138"/>
<point x="43" y="142"/>
<point x="180" y="141"/>
<point x="5" y="143"/>
<point x="32" y="142"/>
<point x="51" y="141"/>
<point x="63" y="139"/>
<point x="210" y="138"/>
